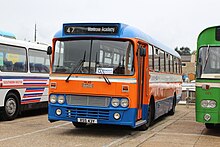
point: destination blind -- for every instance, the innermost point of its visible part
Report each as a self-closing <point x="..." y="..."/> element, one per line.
<point x="90" y="30"/>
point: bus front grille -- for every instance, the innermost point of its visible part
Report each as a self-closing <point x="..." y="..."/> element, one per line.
<point x="98" y="114"/>
<point x="79" y="100"/>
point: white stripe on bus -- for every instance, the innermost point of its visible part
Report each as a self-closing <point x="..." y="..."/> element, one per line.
<point x="216" y="85"/>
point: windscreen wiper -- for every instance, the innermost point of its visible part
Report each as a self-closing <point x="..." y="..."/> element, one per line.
<point x="104" y="77"/>
<point x="103" y="73"/>
<point x="78" y="66"/>
<point x="207" y="57"/>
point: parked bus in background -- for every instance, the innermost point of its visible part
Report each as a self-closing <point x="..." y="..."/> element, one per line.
<point x="208" y="77"/>
<point x="111" y="73"/>
<point x="7" y="34"/>
<point x="24" y="76"/>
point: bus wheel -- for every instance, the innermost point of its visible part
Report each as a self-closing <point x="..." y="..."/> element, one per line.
<point x="79" y="125"/>
<point x="209" y="126"/>
<point x="172" y="111"/>
<point x="150" y="117"/>
<point x="11" y="107"/>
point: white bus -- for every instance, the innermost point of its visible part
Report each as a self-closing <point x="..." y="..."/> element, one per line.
<point x="24" y="75"/>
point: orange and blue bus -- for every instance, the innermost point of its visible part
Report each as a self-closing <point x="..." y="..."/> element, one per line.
<point x="111" y="73"/>
<point x="24" y="76"/>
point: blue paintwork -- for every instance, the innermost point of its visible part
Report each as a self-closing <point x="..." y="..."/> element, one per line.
<point x="128" y="115"/>
<point x="162" y="107"/>
<point x="104" y="115"/>
<point x="125" y="31"/>
<point x="145" y="112"/>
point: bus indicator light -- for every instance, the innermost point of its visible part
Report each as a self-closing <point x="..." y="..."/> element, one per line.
<point x="125" y="88"/>
<point x="53" y="85"/>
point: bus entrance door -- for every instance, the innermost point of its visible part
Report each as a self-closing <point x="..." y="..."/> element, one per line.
<point x="140" y="80"/>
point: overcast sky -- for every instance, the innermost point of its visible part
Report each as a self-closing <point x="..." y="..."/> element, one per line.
<point x="175" y="23"/>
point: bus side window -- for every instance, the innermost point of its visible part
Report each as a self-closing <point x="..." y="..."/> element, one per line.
<point x="175" y="65"/>
<point x="13" y="58"/>
<point x="162" y="61"/>
<point x="179" y="66"/>
<point x="151" y="57"/>
<point x="156" y="60"/>
<point x="39" y="61"/>
<point x="171" y="64"/>
<point x="167" y="62"/>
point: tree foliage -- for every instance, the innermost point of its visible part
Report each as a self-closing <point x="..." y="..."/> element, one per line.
<point x="183" y="51"/>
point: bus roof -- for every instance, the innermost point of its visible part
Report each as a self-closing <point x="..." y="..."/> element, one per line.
<point x="122" y="31"/>
<point x="22" y="43"/>
<point x="209" y="36"/>
<point x="7" y="34"/>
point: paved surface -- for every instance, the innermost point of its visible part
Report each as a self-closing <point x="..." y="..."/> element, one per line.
<point x="170" y="131"/>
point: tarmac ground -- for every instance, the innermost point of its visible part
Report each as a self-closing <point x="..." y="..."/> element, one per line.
<point x="33" y="129"/>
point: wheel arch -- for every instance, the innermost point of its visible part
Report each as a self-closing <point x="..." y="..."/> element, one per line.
<point x="16" y="92"/>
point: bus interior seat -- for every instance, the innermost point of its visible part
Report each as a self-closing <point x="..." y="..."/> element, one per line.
<point x="46" y="68"/>
<point x="19" y="66"/>
<point x="31" y="67"/>
<point x="8" y="66"/>
<point x="41" y="68"/>
<point x="38" y="67"/>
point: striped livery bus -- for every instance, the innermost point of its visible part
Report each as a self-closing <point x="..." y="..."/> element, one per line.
<point x="24" y="76"/>
<point x="208" y="77"/>
<point x="111" y="73"/>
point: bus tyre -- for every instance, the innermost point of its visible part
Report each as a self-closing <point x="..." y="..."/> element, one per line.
<point x="79" y="125"/>
<point x="11" y="107"/>
<point x="209" y="126"/>
<point x="150" y="117"/>
<point x="172" y="111"/>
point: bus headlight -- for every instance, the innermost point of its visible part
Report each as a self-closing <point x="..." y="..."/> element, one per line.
<point x="61" y="99"/>
<point x="53" y="99"/>
<point x="208" y="103"/>
<point x="124" y="103"/>
<point x="212" y="104"/>
<point x="115" y="102"/>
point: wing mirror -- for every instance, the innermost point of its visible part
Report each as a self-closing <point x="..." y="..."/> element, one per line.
<point x="49" y="50"/>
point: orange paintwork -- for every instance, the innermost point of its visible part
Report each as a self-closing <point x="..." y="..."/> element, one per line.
<point x="158" y="90"/>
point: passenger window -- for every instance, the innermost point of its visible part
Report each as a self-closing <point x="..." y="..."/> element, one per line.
<point x="175" y="65"/>
<point x="151" y="57"/>
<point x="162" y="61"/>
<point x="171" y="64"/>
<point x="167" y="62"/>
<point x="13" y="59"/>
<point x="38" y="61"/>
<point x="156" y="60"/>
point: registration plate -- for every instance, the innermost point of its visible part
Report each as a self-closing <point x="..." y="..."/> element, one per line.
<point x="87" y="120"/>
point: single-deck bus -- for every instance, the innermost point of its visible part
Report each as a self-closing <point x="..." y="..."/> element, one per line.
<point x="208" y="77"/>
<point x="111" y="73"/>
<point x="24" y="76"/>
